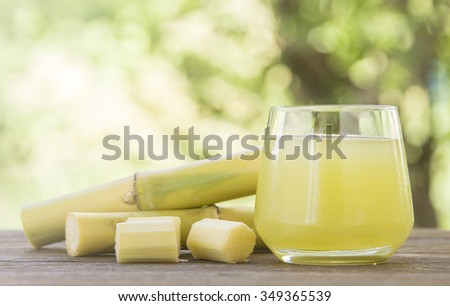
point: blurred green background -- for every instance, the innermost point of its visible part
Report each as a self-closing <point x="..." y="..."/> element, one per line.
<point x="72" y="72"/>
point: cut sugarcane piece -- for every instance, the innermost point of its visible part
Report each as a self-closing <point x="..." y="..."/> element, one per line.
<point x="221" y="240"/>
<point x="94" y="233"/>
<point x="176" y="220"/>
<point x="240" y="213"/>
<point x="148" y="241"/>
<point x="195" y="185"/>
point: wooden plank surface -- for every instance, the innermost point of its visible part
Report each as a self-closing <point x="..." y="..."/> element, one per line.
<point x="423" y="260"/>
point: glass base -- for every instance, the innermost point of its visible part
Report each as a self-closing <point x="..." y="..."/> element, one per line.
<point x="338" y="257"/>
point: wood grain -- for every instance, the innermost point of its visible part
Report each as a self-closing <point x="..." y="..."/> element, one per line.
<point x="423" y="260"/>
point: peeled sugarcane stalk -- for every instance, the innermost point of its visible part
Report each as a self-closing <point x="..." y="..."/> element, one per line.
<point x="154" y="239"/>
<point x="93" y="233"/>
<point x="221" y="240"/>
<point x="197" y="184"/>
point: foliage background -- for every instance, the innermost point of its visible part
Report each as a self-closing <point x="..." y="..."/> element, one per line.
<point x="72" y="72"/>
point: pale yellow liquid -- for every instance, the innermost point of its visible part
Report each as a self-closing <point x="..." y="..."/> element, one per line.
<point x="359" y="203"/>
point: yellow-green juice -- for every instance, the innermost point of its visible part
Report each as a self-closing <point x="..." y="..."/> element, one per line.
<point x="353" y="210"/>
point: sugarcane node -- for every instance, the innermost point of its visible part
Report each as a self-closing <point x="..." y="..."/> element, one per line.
<point x="129" y="198"/>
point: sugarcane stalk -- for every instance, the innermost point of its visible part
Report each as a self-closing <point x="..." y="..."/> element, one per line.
<point x="44" y="222"/>
<point x="197" y="184"/>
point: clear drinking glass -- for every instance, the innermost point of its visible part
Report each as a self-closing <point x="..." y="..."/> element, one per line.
<point x="334" y="185"/>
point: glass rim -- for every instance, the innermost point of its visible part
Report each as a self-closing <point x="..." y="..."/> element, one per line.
<point x="334" y="107"/>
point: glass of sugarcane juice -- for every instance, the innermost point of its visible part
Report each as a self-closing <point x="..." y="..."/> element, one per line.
<point x="333" y="185"/>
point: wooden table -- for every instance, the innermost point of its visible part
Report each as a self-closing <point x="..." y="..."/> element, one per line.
<point x="423" y="260"/>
